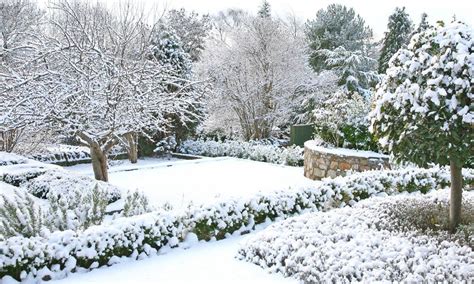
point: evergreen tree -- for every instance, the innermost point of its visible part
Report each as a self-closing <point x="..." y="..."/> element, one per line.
<point x="399" y="30"/>
<point x="167" y="49"/>
<point x="191" y="28"/>
<point x="265" y="10"/>
<point x="423" y="25"/>
<point x="340" y="41"/>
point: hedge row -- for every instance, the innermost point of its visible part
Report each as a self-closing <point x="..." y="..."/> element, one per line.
<point x="64" y="252"/>
<point x="253" y="150"/>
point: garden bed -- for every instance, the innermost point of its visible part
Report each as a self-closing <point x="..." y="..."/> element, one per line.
<point x="375" y="241"/>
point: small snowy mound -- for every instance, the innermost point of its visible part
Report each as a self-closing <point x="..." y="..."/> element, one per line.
<point x="11" y="159"/>
<point x="369" y="242"/>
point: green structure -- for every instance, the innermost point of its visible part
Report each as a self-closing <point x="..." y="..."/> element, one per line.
<point x="301" y="133"/>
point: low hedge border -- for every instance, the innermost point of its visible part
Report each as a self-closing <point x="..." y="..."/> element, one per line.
<point x="64" y="252"/>
<point x="253" y="150"/>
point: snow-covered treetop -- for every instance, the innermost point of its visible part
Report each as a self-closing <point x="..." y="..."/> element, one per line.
<point x="424" y="110"/>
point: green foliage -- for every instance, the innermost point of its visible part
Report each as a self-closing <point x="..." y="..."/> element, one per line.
<point x="399" y="31"/>
<point x="358" y="137"/>
<point x="341" y="120"/>
<point x="424" y="110"/>
<point x="340" y="40"/>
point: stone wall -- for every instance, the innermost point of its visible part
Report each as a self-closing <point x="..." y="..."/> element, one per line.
<point x="320" y="162"/>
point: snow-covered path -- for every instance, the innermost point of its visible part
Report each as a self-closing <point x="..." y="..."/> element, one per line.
<point x="206" y="263"/>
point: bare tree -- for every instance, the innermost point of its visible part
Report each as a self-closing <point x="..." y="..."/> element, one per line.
<point x="94" y="79"/>
<point x="20" y="21"/>
<point x="256" y="70"/>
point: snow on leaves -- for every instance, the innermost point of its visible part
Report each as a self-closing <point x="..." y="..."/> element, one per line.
<point x="427" y="95"/>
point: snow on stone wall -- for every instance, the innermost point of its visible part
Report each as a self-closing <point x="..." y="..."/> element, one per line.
<point x="320" y="162"/>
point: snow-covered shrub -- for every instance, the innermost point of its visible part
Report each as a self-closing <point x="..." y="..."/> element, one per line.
<point x="76" y="209"/>
<point x="21" y="175"/>
<point x="62" y="154"/>
<point x="253" y="150"/>
<point x="11" y="159"/>
<point x="60" y="182"/>
<point x="63" y="252"/>
<point x="20" y="215"/>
<point x="341" y="120"/>
<point x="430" y="215"/>
<point x="136" y="203"/>
<point x="360" y="244"/>
<point x="166" y="145"/>
<point x="229" y="215"/>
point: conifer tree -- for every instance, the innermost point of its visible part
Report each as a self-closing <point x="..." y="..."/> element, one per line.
<point x="399" y="31"/>
<point x="265" y="10"/>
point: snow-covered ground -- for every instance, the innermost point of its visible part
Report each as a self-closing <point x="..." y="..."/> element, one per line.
<point x="179" y="182"/>
<point x="209" y="263"/>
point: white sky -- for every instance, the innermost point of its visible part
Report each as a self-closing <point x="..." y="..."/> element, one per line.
<point x="374" y="12"/>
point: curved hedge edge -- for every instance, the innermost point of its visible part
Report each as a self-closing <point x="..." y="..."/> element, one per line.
<point x="139" y="236"/>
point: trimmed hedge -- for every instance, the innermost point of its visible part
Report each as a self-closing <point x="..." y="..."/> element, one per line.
<point x="253" y="150"/>
<point x="63" y="252"/>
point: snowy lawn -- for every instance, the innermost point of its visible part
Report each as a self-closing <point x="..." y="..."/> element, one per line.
<point x="180" y="182"/>
<point x="394" y="238"/>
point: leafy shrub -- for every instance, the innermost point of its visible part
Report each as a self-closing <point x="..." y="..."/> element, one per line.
<point x="60" y="182"/>
<point x="11" y="159"/>
<point x="341" y="120"/>
<point x="361" y="244"/>
<point x="18" y="177"/>
<point x="253" y="150"/>
<point x="71" y="210"/>
<point x="20" y="215"/>
<point x="76" y="210"/>
<point x="136" y="203"/>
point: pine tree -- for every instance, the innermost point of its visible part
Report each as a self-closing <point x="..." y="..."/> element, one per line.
<point x="265" y="10"/>
<point x="399" y="30"/>
<point x="168" y="50"/>
<point x="340" y="41"/>
<point x="423" y="25"/>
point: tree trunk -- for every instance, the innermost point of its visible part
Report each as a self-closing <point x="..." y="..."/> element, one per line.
<point x="456" y="197"/>
<point x="99" y="163"/>
<point x="132" y="147"/>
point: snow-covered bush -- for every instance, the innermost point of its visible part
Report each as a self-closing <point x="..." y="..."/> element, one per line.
<point x="63" y="252"/>
<point x="215" y="221"/>
<point x="61" y="182"/>
<point x="21" y="175"/>
<point x="11" y="159"/>
<point x="62" y="154"/>
<point x="136" y="203"/>
<point x="341" y="120"/>
<point x="166" y="145"/>
<point x="253" y="150"/>
<point x="20" y="215"/>
<point x="76" y="209"/>
<point x="360" y="244"/>
<point x="17" y="170"/>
